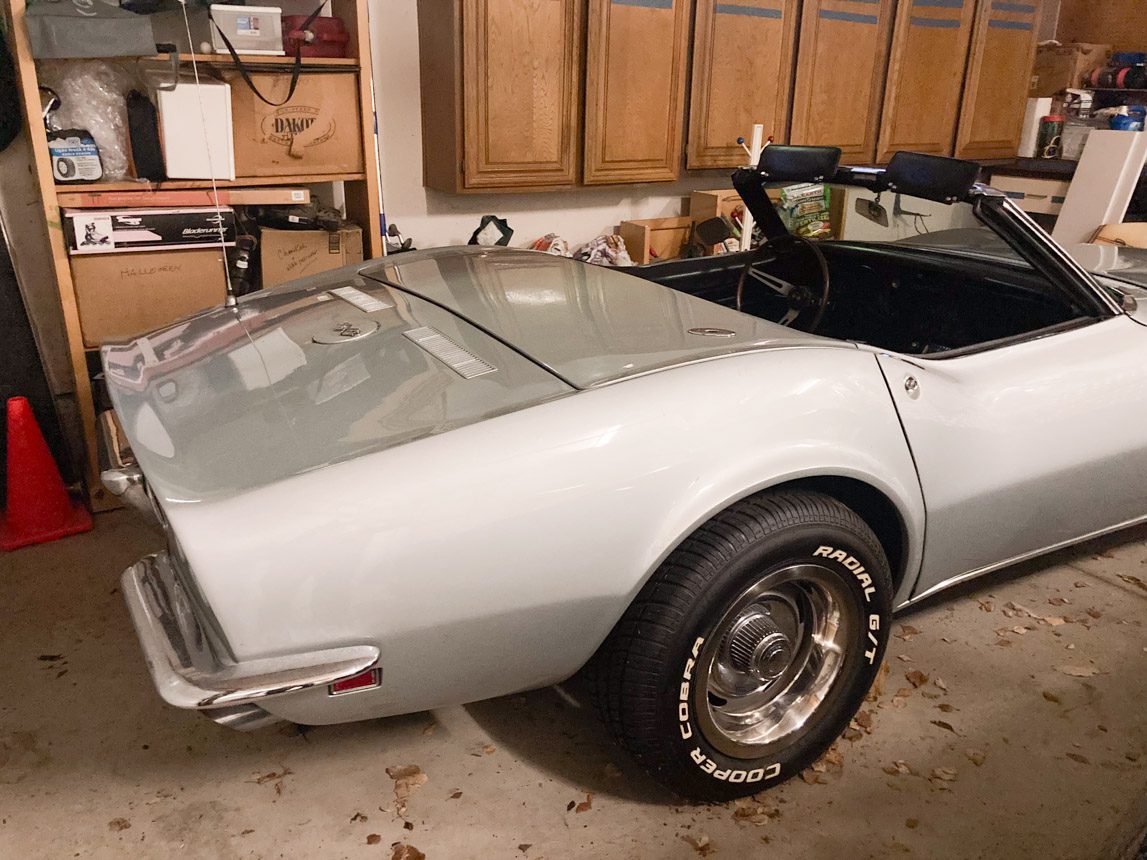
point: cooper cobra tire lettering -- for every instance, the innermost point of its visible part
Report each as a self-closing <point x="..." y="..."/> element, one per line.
<point x="851" y="565"/>
<point x="733" y="775"/>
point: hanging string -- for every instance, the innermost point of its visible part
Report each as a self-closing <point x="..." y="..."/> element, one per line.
<point x="231" y="301"/>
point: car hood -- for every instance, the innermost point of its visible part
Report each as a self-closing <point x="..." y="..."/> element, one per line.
<point x="236" y="398"/>
<point x="588" y="325"/>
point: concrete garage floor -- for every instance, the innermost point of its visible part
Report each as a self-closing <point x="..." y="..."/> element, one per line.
<point x="93" y="764"/>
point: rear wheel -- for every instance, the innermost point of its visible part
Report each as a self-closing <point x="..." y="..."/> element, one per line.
<point x="751" y="648"/>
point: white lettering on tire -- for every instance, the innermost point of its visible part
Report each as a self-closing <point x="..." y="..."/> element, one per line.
<point x="851" y="565"/>
<point x="733" y="775"/>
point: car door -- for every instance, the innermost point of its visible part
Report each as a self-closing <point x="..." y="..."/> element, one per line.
<point x="1025" y="446"/>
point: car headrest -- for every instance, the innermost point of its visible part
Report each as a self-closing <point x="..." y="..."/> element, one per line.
<point x="783" y="163"/>
<point x="932" y="177"/>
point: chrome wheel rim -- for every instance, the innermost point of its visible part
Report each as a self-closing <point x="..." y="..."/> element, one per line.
<point x="773" y="658"/>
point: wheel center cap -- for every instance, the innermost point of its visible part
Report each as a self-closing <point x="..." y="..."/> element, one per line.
<point x="758" y="647"/>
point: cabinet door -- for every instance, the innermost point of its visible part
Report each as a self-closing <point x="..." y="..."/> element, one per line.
<point x="521" y="92"/>
<point x="742" y="75"/>
<point x="635" y="90"/>
<point x="842" y="61"/>
<point x="925" y="76"/>
<point x="1003" y="49"/>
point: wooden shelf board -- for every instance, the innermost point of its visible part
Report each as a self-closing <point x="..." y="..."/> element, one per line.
<point x="181" y="184"/>
<point x="260" y="60"/>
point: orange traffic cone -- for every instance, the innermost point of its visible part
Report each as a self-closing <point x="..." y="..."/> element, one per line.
<point x="39" y="509"/>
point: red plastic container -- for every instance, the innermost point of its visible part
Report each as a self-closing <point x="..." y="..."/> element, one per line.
<point x="325" y="37"/>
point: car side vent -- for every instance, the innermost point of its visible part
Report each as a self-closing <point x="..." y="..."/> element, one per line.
<point x="461" y="361"/>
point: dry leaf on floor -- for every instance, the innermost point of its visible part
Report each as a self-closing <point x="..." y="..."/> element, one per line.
<point x="455" y="794"/>
<point x="701" y="844"/>
<point x="944" y="774"/>
<point x="904" y="657"/>
<point x="811" y="777"/>
<point x="987" y="605"/>
<point x="851" y="734"/>
<point x="900" y="700"/>
<point x="911" y="823"/>
<point x="1133" y="580"/>
<point x="358" y="816"/>
<point x="1082" y="759"/>
<point x="897" y="768"/>
<point x="1094" y="613"/>
<point x="373" y="838"/>
<point x="946" y="726"/>
<point x="1004" y="642"/>
<point x="402" y="851"/>
<point x="489" y="749"/>
<point x="118" y="824"/>
<point x="976" y="757"/>
<point x="1020" y="630"/>
<point x="945" y="707"/>
<point x="1053" y="620"/>
<point x="1051" y="697"/>
<point x="272" y="776"/>
<point x="1078" y="671"/>
<point x="1058" y="601"/>
<point x="916" y="678"/>
<point x="430" y="729"/>
<point x="586" y="805"/>
<point x="877" y="689"/>
<point x="863" y="719"/>
<point x="1080" y="584"/>
<point x="747" y="811"/>
<point x="939" y="682"/>
<point x="408" y="778"/>
<point x="525" y="846"/>
<point x="907" y="631"/>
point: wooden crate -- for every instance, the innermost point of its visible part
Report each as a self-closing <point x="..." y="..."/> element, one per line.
<point x="656" y="238"/>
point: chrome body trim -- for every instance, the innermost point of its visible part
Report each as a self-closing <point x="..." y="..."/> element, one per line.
<point x="190" y="672"/>
<point x="1027" y="556"/>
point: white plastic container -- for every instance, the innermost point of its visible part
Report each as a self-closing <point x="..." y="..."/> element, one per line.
<point x="251" y="29"/>
<point x="195" y="130"/>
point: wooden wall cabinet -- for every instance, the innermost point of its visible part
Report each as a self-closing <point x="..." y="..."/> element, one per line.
<point x="841" y="63"/>
<point x="742" y="74"/>
<point x="999" y="71"/>
<point x="925" y="77"/>
<point x="501" y="93"/>
<point x="635" y="90"/>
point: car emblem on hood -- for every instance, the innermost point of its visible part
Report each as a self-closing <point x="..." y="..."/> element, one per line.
<point x="342" y="332"/>
<point x="707" y="331"/>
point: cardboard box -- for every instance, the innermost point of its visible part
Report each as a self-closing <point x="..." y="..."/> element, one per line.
<point x="656" y="239"/>
<point x="1031" y="194"/>
<point x="1058" y="67"/>
<point x="95" y="231"/>
<point x="289" y="254"/>
<point x="1133" y="235"/>
<point x="317" y="131"/>
<point x="123" y="295"/>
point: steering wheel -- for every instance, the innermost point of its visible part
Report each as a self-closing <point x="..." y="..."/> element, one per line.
<point x="802" y="300"/>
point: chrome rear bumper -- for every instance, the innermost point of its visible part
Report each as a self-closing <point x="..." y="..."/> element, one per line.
<point x="190" y="672"/>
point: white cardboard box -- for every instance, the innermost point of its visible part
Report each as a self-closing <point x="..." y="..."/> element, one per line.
<point x="195" y="129"/>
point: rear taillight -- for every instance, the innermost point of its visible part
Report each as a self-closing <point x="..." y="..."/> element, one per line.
<point x="367" y="680"/>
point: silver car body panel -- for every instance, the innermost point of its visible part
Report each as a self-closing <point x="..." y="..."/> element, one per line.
<point x="498" y="556"/>
<point x="1025" y="447"/>
<point x="588" y="325"/>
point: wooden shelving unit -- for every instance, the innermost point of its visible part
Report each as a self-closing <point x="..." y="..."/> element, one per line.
<point x="360" y="190"/>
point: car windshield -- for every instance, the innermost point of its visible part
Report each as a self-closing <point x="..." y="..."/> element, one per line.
<point x="829" y="212"/>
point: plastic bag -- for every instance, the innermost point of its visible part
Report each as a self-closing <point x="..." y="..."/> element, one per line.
<point x="93" y="97"/>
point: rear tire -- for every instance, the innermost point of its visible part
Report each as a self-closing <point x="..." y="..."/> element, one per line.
<point x="750" y="649"/>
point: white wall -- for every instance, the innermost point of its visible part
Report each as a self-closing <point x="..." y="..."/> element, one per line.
<point x="435" y="218"/>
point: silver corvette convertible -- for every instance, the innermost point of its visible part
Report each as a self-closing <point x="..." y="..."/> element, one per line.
<point x="459" y="473"/>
